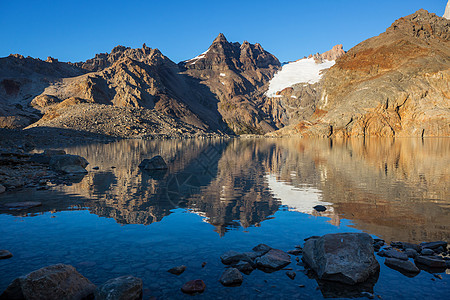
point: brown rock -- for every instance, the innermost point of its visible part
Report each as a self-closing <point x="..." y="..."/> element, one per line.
<point x="193" y="287"/>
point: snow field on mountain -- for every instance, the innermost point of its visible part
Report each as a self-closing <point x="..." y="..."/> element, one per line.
<point x="301" y="71"/>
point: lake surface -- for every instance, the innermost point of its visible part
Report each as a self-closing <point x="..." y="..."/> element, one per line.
<point x="232" y="194"/>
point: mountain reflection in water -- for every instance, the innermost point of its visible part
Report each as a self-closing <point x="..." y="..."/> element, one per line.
<point x="395" y="189"/>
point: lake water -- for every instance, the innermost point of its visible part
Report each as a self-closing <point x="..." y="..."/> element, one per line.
<point x="232" y="194"/>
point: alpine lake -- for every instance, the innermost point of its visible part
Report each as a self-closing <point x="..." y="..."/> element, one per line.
<point x="233" y="194"/>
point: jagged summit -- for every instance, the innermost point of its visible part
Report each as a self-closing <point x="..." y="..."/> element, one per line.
<point x="447" y="11"/>
<point x="220" y="39"/>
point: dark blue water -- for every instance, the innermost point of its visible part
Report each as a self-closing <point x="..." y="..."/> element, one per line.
<point x="233" y="194"/>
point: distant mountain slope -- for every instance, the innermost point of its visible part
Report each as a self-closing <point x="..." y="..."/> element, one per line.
<point x="395" y="84"/>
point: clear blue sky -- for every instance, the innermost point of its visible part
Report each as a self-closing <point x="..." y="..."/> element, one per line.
<point x="75" y="30"/>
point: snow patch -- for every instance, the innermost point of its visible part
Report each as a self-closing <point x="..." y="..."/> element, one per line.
<point x="223" y="74"/>
<point x="195" y="59"/>
<point x="301" y="71"/>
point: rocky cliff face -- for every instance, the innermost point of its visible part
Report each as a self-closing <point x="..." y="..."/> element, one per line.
<point x="395" y="84"/>
<point x="238" y="76"/>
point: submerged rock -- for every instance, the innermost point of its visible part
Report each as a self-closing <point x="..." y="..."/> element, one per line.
<point x="427" y="252"/>
<point x="155" y="163"/>
<point x="2" y="189"/>
<point x="342" y="257"/>
<point x="232" y="257"/>
<point x="177" y="270"/>
<point x="4" y="254"/>
<point x="121" y="288"/>
<point x="291" y="274"/>
<point x="52" y="282"/>
<point x="193" y="287"/>
<point x="273" y="260"/>
<point x="402" y="265"/>
<point x="231" y="277"/>
<point x="262" y="248"/>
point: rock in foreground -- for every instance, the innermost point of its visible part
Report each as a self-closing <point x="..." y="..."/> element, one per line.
<point x="193" y="287"/>
<point x="231" y="277"/>
<point x="273" y="260"/>
<point x="53" y="282"/>
<point x="121" y="288"/>
<point x="342" y="257"/>
<point x="155" y="163"/>
<point x="72" y="164"/>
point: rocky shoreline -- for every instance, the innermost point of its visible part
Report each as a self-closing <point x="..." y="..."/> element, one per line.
<point x="341" y="263"/>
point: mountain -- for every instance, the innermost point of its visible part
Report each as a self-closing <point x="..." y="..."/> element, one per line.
<point x="395" y="84"/>
<point x="238" y="75"/>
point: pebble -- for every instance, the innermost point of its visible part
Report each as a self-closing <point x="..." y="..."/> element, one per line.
<point x="291" y="274"/>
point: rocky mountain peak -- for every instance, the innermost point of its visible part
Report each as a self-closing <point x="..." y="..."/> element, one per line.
<point x="333" y="54"/>
<point x="447" y="11"/>
<point x="423" y="25"/>
<point x="220" y="39"/>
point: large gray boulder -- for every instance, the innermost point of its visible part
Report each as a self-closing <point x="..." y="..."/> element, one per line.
<point x="155" y="163"/>
<point x="120" y="288"/>
<point x="72" y="164"/>
<point x="273" y="260"/>
<point x="342" y="257"/>
<point x="56" y="282"/>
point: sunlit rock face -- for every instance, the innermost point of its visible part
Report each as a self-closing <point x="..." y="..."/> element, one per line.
<point x="394" y="84"/>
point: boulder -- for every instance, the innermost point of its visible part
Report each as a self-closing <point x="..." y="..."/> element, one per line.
<point x="232" y="257"/>
<point x="72" y="164"/>
<point x="427" y="251"/>
<point x="342" y="257"/>
<point x="393" y="254"/>
<point x="411" y="252"/>
<point x="404" y="266"/>
<point x="155" y="163"/>
<point x="430" y="261"/>
<point x="434" y="245"/>
<point x="231" y="277"/>
<point x="121" y="288"/>
<point x="4" y="254"/>
<point x="177" y="270"/>
<point x="245" y="267"/>
<point x="52" y="282"/>
<point x="273" y="260"/>
<point x="194" y="287"/>
<point x="262" y="248"/>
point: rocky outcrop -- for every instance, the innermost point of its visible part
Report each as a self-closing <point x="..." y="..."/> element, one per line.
<point x="52" y="282"/>
<point x="395" y="84"/>
<point x="343" y="257"/>
<point x="238" y="75"/>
